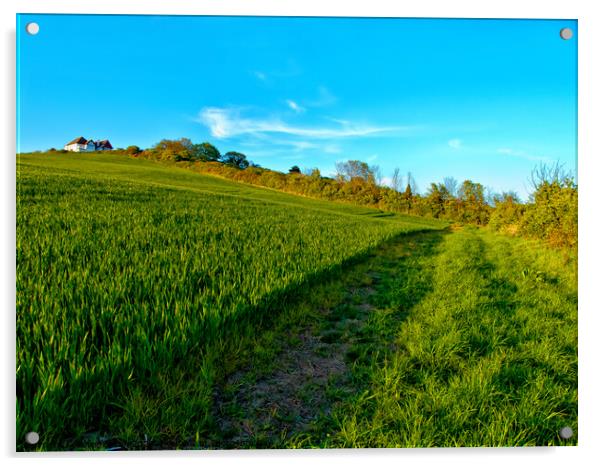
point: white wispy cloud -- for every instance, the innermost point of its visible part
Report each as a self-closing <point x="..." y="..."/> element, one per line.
<point x="454" y="143"/>
<point x="372" y="158"/>
<point x="261" y="142"/>
<point x="228" y="122"/>
<point x="522" y="154"/>
<point x="295" y="106"/>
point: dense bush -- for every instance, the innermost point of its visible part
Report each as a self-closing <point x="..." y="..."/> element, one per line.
<point x="553" y="214"/>
<point x="133" y="150"/>
<point x="507" y="213"/>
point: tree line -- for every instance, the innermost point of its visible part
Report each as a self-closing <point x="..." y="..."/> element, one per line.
<point x="550" y="213"/>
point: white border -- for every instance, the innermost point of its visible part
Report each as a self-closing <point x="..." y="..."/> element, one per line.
<point x="590" y="152"/>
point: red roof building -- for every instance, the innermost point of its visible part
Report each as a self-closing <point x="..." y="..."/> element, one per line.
<point x="81" y="144"/>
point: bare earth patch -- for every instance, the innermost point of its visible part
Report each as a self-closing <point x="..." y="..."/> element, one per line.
<point x="257" y="408"/>
<point x="287" y="400"/>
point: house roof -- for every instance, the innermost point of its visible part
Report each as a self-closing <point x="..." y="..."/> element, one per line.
<point x="82" y="140"/>
<point x="79" y="140"/>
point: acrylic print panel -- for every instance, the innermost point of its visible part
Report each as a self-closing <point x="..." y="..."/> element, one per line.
<point x="269" y="232"/>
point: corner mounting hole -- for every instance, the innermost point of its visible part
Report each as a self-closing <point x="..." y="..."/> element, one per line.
<point x="566" y="33"/>
<point x="32" y="28"/>
<point x="32" y="438"/>
<point x="566" y="433"/>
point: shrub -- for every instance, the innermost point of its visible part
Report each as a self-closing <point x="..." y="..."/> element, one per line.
<point x="133" y="150"/>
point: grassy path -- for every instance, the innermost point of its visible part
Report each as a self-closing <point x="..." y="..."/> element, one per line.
<point x="438" y="339"/>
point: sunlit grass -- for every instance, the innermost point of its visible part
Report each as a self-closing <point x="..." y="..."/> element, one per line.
<point x="134" y="280"/>
<point x="485" y="349"/>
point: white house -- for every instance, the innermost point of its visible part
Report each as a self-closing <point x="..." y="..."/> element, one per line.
<point x="81" y="144"/>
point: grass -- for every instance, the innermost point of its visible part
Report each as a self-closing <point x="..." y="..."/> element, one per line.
<point x="160" y="308"/>
<point x="139" y="287"/>
<point x="449" y="339"/>
<point x="487" y="357"/>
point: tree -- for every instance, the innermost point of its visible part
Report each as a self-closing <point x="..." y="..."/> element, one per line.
<point x="412" y="183"/>
<point x="451" y="184"/>
<point x="354" y="169"/>
<point x="396" y="181"/>
<point x="295" y="169"/>
<point x="490" y="196"/>
<point x="553" y="213"/>
<point x="507" y="213"/>
<point x="205" y="152"/>
<point x="377" y="174"/>
<point x="548" y="174"/>
<point x="187" y="143"/>
<point x="474" y="208"/>
<point x="177" y="150"/>
<point x="437" y="198"/>
<point x="132" y="150"/>
<point x="236" y="160"/>
<point x="472" y="192"/>
<point x="407" y="198"/>
<point x="407" y="194"/>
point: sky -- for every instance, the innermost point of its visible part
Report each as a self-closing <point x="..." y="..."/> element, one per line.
<point x="486" y="100"/>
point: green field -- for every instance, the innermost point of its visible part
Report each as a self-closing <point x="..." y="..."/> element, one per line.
<point x="160" y="308"/>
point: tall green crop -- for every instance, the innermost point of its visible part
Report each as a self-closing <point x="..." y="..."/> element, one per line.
<point x="121" y="278"/>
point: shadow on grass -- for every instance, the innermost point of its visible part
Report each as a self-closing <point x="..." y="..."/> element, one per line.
<point x="264" y="314"/>
<point x="160" y="416"/>
<point x="466" y="373"/>
<point x="293" y="394"/>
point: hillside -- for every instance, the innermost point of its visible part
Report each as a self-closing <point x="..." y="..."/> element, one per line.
<point x="162" y="308"/>
<point x="151" y="173"/>
<point x="129" y="272"/>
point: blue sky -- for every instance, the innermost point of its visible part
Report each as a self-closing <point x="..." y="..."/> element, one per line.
<point x="485" y="100"/>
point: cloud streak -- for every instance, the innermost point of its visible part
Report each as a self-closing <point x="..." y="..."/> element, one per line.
<point x="228" y="122"/>
<point x="295" y="106"/>
<point x="521" y="154"/>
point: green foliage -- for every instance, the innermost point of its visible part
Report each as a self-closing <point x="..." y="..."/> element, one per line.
<point x="175" y="150"/>
<point x="236" y="160"/>
<point x="437" y="199"/>
<point x="205" y="152"/>
<point x="553" y="214"/>
<point x="507" y="214"/>
<point x="133" y="150"/>
<point x="472" y="203"/>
